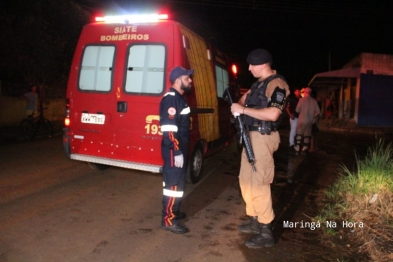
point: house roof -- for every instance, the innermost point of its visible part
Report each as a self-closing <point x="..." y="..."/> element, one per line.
<point x="333" y="78"/>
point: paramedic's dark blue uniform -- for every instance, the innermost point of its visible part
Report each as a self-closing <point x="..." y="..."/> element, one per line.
<point x="175" y="126"/>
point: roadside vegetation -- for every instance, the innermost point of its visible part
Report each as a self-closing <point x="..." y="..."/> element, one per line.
<point x="359" y="205"/>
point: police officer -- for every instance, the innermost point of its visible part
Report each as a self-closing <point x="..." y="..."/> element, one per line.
<point x="175" y="126"/>
<point x="261" y="107"/>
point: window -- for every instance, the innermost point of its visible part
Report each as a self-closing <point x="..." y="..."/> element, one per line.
<point x="96" y="68"/>
<point x="222" y="80"/>
<point x="145" y="69"/>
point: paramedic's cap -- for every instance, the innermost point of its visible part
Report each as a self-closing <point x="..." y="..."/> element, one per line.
<point x="259" y="57"/>
<point x="178" y="72"/>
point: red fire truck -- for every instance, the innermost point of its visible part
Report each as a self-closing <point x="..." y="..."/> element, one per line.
<point x="119" y="73"/>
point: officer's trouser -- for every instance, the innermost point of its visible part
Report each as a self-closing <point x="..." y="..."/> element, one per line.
<point x="173" y="188"/>
<point x="255" y="186"/>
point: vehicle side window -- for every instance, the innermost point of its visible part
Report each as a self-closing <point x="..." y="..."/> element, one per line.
<point x="222" y="80"/>
<point x="96" y="69"/>
<point x="145" y="69"/>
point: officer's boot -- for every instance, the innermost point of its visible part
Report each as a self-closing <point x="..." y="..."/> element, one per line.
<point x="251" y="226"/>
<point x="263" y="239"/>
<point x="298" y="142"/>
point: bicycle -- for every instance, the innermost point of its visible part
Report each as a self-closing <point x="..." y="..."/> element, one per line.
<point x="34" y="126"/>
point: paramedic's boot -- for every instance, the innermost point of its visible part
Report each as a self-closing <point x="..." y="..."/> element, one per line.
<point x="263" y="239"/>
<point x="175" y="228"/>
<point x="251" y="226"/>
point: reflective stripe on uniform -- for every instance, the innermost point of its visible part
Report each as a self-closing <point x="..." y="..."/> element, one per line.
<point x="185" y="111"/>
<point x="170" y="93"/>
<point x="172" y="193"/>
<point x="169" y="128"/>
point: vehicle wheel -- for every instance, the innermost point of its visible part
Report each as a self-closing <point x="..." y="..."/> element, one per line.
<point x="45" y="128"/>
<point x="195" y="164"/>
<point x="96" y="166"/>
<point x="27" y="130"/>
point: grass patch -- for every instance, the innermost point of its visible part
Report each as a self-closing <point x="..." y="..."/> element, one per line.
<point x="364" y="199"/>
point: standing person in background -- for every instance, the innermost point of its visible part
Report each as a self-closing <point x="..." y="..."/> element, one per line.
<point x="328" y="107"/>
<point x="315" y="130"/>
<point x="175" y="128"/>
<point x="293" y="115"/>
<point x="308" y="110"/>
<point x="31" y="97"/>
<point x="329" y="110"/>
<point x="260" y="107"/>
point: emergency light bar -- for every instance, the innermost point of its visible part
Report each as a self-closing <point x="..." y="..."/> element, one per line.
<point x="127" y="19"/>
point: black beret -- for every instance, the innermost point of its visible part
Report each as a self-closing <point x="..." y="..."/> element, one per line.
<point x="259" y="57"/>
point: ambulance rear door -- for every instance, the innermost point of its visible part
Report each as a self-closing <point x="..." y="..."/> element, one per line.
<point x="136" y="122"/>
<point x="114" y="100"/>
<point x="137" y="136"/>
<point x="91" y="101"/>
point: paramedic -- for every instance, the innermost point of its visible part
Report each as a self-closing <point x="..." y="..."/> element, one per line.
<point x="261" y="106"/>
<point x="175" y="126"/>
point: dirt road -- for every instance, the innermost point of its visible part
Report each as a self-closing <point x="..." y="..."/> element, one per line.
<point x="55" y="209"/>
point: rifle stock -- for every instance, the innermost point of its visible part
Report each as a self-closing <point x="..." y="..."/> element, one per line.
<point x="244" y="135"/>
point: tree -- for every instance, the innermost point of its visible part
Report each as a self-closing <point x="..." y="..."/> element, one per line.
<point x="39" y="38"/>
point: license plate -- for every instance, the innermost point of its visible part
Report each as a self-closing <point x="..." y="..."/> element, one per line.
<point x="97" y="119"/>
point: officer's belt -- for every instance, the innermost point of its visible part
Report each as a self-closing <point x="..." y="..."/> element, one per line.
<point x="265" y="128"/>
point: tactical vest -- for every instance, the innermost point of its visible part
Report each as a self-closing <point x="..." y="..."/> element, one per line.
<point x="257" y="99"/>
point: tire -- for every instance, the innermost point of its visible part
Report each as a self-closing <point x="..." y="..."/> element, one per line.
<point x="27" y="130"/>
<point x="45" y="128"/>
<point x="96" y="166"/>
<point x="195" y="164"/>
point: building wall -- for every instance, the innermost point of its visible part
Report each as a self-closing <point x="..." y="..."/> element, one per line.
<point x="375" y="107"/>
<point x="12" y="110"/>
<point x="379" y="64"/>
<point x="364" y="88"/>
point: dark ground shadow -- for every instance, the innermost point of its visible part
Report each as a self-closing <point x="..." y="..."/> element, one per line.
<point x="224" y="170"/>
<point x="298" y="191"/>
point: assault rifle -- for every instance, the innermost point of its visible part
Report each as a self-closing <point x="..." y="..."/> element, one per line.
<point x="244" y="134"/>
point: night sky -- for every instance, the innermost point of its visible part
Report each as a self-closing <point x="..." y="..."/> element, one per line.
<point x="304" y="37"/>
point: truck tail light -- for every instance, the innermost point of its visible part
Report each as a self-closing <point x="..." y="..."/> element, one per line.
<point x="234" y="69"/>
<point x="67" y="113"/>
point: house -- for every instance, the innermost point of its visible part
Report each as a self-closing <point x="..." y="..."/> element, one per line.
<point x="362" y="90"/>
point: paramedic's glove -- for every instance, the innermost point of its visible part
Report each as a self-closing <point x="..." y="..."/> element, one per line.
<point x="179" y="161"/>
